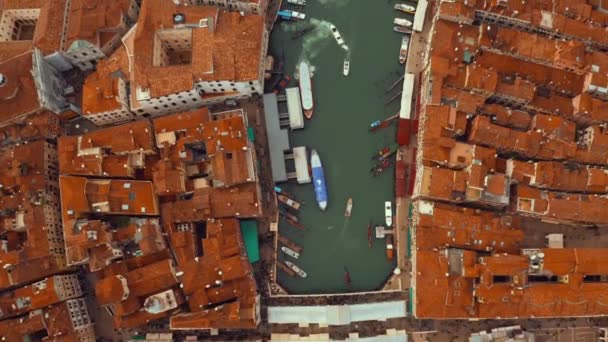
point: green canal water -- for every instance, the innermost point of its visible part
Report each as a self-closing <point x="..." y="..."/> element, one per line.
<point x="344" y="108"/>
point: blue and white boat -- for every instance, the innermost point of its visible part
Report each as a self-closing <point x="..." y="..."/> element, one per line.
<point x="318" y="178"/>
<point x="289" y="15"/>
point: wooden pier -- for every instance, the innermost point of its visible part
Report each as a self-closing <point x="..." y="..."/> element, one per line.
<point x="286" y="269"/>
<point x="291" y="244"/>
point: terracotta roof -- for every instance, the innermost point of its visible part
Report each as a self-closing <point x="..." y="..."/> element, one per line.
<point x="93" y="20"/>
<point x="222" y="273"/>
<point x="24" y="181"/>
<point x="230" y="51"/>
<point x="47" y="34"/>
<point x="100" y="92"/>
<point x="31" y="297"/>
<point x="19" y="96"/>
<point x="105" y="152"/>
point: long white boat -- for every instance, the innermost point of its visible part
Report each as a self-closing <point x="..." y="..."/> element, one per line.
<point x="402" y="22"/>
<point x="297" y="2"/>
<point x="405" y="8"/>
<point x="405" y="43"/>
<point x="306" y="89"/>
<point x="290" y="252"/>
<point x="296" y="269"/>
<point x="338" y="37"/>
<point x="388" y="213"/>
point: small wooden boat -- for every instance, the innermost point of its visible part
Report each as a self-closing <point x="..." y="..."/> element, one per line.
<point x="380" y="167"/>
<point x="376" y="125"/>
<point x="405" y="8"/>
<point x="386" y="155"/>
<point x="282" y="84"/>
<point x="381" y="152"/>
<point x="290" y="252"/>
<point x="369" y="234"/>
<point x="346" y="67"/>
<point x="390" y="249"/>
<point x="288" y="216"/>
<point x="349" y="207"/>
<point x="346" y="276"/>
<point x="289" y="202"/>
<point x="296" y="269"/>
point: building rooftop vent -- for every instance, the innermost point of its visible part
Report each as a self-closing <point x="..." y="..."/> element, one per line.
<point x="179" y="18"/>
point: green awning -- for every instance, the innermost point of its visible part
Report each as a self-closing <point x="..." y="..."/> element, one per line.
<point x="249" y="230"/>
<point x="251" y="134"/>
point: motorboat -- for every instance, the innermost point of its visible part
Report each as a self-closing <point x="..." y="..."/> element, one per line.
<point x="338" y="36"/>
<point x="388" y="213"/>
<point x="402" y="22"/>
<point x="405" y="8"/>
<point x="290" y="252"/>
<point x="349" y="207"/>
<point x="300" y="272"/>
<point x="346" y="67"/>
<point x="289" y="15"/>
<point x="405" y="43"/>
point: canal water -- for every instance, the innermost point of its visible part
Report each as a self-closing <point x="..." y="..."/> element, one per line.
<point x="344" y="108"/>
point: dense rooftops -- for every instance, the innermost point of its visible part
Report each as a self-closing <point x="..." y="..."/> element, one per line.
<point x="511" y="126"/>
<point x="200" y="166"/>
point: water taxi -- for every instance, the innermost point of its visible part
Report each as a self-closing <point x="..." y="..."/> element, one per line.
<point x="346" y="67"/>
<point x="300" y="272"/>
<point x="405" y="43"/>
<point x="405" y="8"/>
<point x="290" y="252"/>
<point x="402" y="22"/>
<point x="338" y="37"/>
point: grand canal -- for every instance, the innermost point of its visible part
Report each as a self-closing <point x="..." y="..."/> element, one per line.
<point x="344" y="108"/>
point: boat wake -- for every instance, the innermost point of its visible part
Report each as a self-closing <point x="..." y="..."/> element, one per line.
<point x="314" y="42"/>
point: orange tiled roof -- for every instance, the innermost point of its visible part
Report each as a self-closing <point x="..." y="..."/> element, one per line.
<point x="231" y="51"/>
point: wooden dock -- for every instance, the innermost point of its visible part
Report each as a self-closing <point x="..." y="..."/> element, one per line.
<point x="291" y="244"/>
<point x="286" y="269"/>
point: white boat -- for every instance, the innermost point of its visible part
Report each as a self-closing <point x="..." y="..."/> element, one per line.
<point x="405" y="43"/>
<point x="349" y="207"/>
<point x="405" y="8"/>
<point x="388" y="213"/>
<point x="290" y="252"/>
<point x="297" y="2"/>
<point x="402" y="22"/>
<point x="296" y="269"/>
<point x="338" y="37"/>
<point x="346" y="68"/>
<point x="306" y="89"/>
